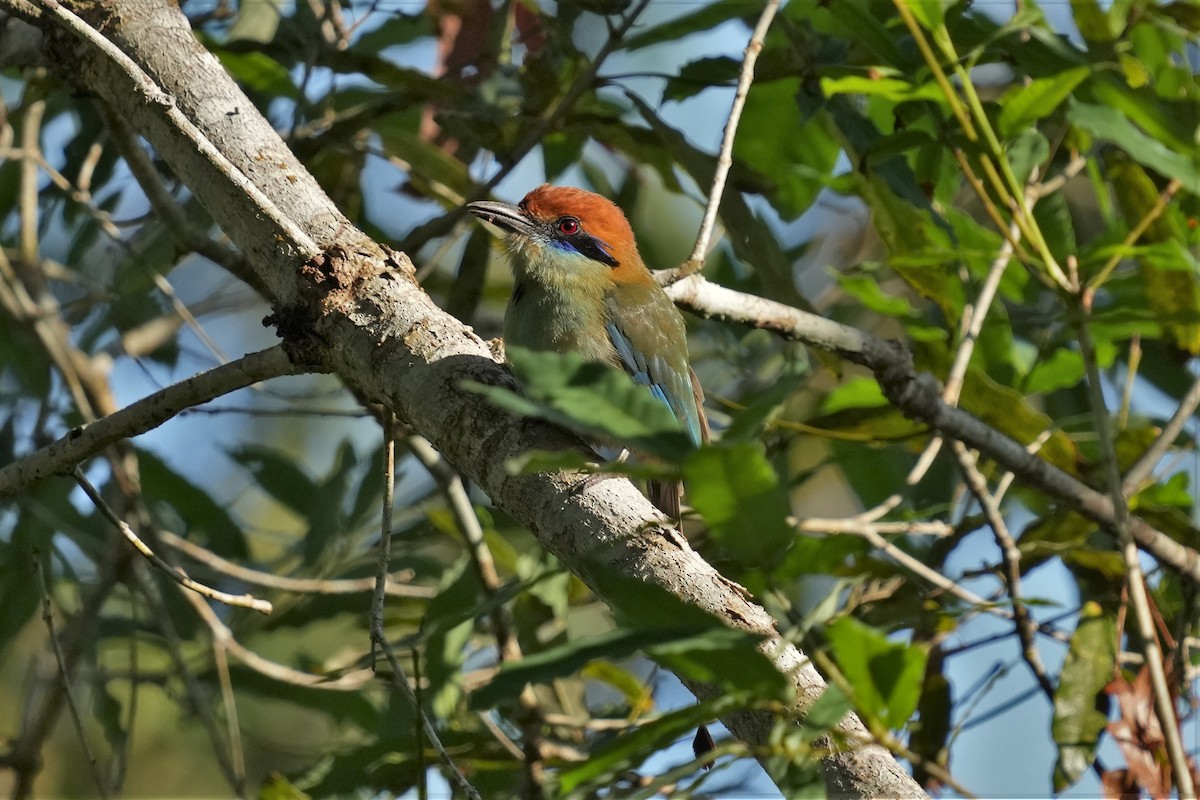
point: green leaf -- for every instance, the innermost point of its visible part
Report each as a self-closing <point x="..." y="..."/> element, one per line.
<point x="895" y="89"/>
<point x="279" y="476"/>
<point x="565" y="659"/>
<point x="561" y="150"/>
<point x="930" y="13"/>
<point x="814" y="555"/>
<point x="325" y="520"/>
<point x="630" y="749"/>
<point x="724" y="656"/>
<point x="1096" y="25"/>
<point x="885" y="676"/>
<point x="349" y="708"/>
<point x="1053" y="216"/>
<point x="737" y="492"/>
<point x="1088" y="668"/>
<point x="1027" y="151"/>
<point x="698" y="75"/>
<point x="865" y="289"/>
<point x="457" y="600"/>
<point x="208" y="522"/>
<point x="869" y="28"/>
<point x="258" y="71"/>
<point x="854" y="393"/>
<point x="794" y="156"/>
<point x="1063" y="368"/>
<point x="1007" y="410"/>
<point x="589" y="398"/>
<point x="430" y="164"/>
<point x="828" y="710"/>
<point x="930" y="735"/>
<point x="556" y="460"/>
<point x="1174" y="492"/>
<point x="1169" y="272"/>
<point x="20" y="584"/>
<point x="704" y="18"/>
<point x="749" y="423"/>
<point x="1149" y="149"/>
<point x="1023" y="105"/>
<point x="397" y="29"/>
<point x="755" y="242"/>
<point x="682" y="637"/>
<point x="278" y="787"/>
<point x="629" y="685"/>
<point x="449" y="624"/>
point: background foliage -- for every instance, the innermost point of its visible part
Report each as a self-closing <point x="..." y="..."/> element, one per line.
<point x="876" y="171"/>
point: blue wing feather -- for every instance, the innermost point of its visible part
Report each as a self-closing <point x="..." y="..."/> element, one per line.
<point x="667" y="382"/>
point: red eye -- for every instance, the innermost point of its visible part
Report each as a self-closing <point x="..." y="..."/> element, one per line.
<point x="568" y="226"/>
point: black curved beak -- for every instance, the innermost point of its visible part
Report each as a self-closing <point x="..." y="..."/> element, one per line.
<point x="508" y="218"/>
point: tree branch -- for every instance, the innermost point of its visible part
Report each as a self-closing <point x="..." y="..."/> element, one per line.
<point x="354" y="306"/>
<point x="176" y="574"/>
<point x="62" y="456"/>
<point x="918" y="397"/>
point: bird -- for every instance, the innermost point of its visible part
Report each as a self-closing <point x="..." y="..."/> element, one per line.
<point x="580" y="285"/>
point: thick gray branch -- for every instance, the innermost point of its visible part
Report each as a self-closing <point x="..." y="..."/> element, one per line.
<point x="355" y="307"/>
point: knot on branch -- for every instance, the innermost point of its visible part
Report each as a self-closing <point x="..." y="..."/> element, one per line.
<point x="398" y="265"/>
<point x="325" y="271"/>
<point x="156" y="97"/>
<point x="333" y="281"/>
<point x="296" y="325"/>
<point x="917" y="395"/>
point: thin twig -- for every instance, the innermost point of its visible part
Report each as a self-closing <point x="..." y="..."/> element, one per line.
<point x="144" y="415"/>
<point x="875" y="735"/>
<point x="1024" y="623"/>
<point x="695" y="261"/>
<point x="121" y="756"/>
<point x="975" y="314"/>
<point x="176" y="574"/>
<point x="168" y="209"/>
<point x="379" y="598"/>
<point x="1142" y="468"/>
<point x="396" y="584"/>
<point x="1135" y="581"/>
<point x="351" y="681"/>
<point x="27" y="239"/>
<point x="236" y="757"/>
<point x="1131" y="374"/>
<point x="1002" y="485"/>
<point x="163" y="104"/>
<point x="530" y="719"/>
<point x="918" y="396"/>
<point x="42" y="706"/>
<point x="378" y="635"/>
<point x="971" y="326"/>
<point x="76" y="719"/>
<point x="110" y="229"/>
<point x="922" y="570"/>
<point x="857" y="525"/>
<point x="1154" y="212"/>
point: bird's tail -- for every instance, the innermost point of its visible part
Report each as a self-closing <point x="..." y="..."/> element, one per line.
<point x="666" y="496"/>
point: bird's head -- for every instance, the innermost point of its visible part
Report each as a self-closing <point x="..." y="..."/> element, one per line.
<point x="561" y="235"/>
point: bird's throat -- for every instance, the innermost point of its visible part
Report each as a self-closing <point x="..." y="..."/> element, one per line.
<point x="544" y="316"/>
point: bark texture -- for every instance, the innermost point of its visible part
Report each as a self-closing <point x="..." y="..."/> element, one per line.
<point x="351" y="305"/>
